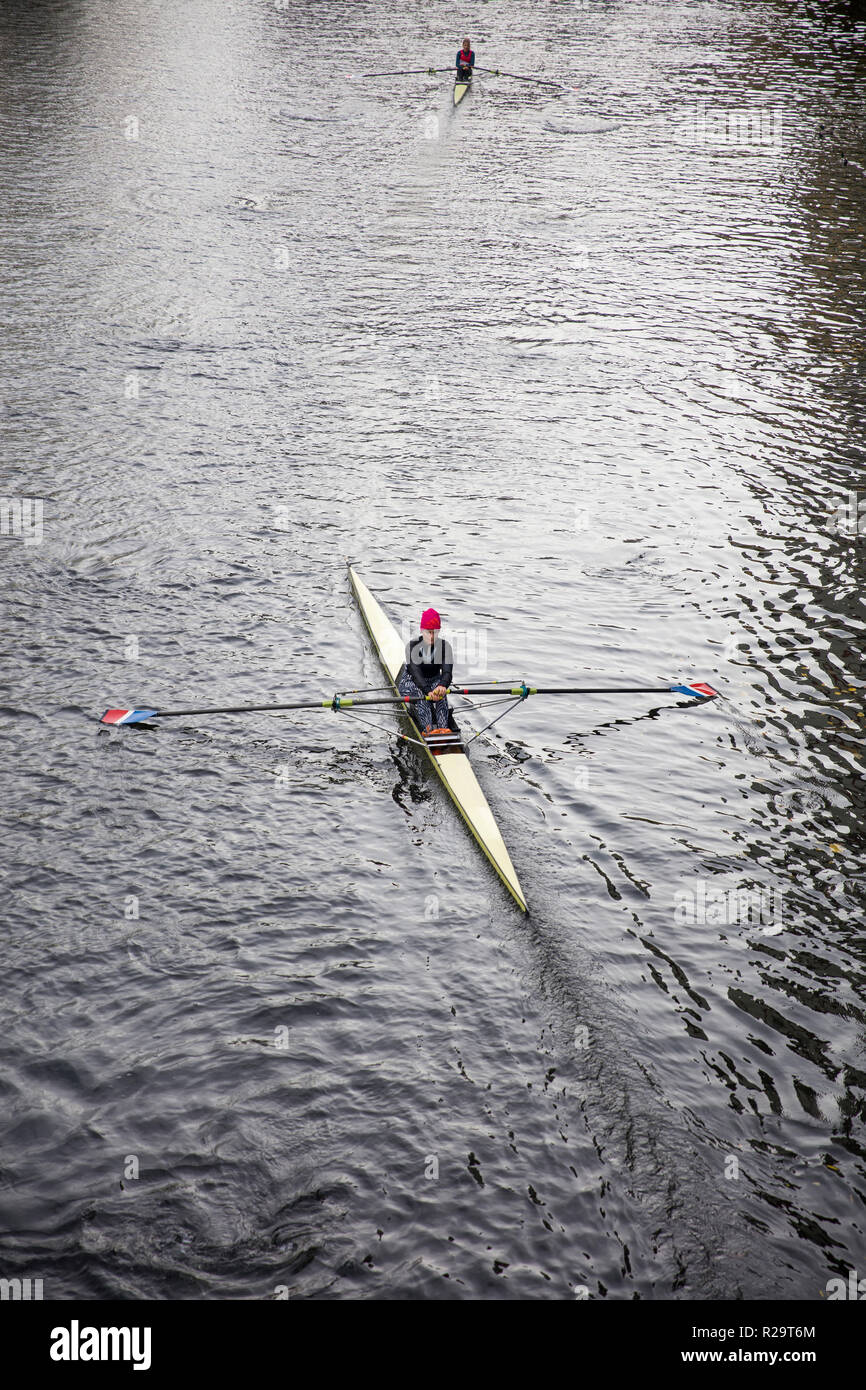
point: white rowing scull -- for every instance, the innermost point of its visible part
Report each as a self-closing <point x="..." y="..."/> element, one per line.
<point x="460" y="90"/>
<point x="452" y="763"/>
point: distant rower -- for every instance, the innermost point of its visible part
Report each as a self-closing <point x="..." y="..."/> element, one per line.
<point x="465" y="62"/>
<point x="428" y="671"/>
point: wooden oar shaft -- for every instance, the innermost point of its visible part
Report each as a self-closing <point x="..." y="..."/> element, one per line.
<point x="405" y="72"/>
<point x="518" y="77"/>
<point x="560" y="690"/>
<point x="335" y="702"/>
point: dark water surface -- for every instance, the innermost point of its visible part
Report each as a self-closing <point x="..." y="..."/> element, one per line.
<point x="584" y="370"/>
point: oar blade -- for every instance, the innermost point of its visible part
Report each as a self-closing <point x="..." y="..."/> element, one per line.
<point x="128" y="716"/>
<point x="699" y="690"/>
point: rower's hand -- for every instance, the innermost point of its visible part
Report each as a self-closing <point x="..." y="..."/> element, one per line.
<point x="439" y="693"/>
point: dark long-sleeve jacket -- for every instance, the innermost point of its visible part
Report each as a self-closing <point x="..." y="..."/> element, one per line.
<point x="429" y="666"/>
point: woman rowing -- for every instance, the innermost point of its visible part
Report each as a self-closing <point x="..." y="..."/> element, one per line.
<point x="427" y="673"/>
<point x="465" y="62"/>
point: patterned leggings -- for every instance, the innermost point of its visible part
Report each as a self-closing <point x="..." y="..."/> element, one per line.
<point x="424" y="710"/>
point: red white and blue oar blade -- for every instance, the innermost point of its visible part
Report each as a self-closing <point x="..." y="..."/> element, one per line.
<point x="699" y="690"/>
<point x="127" y="716"/>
